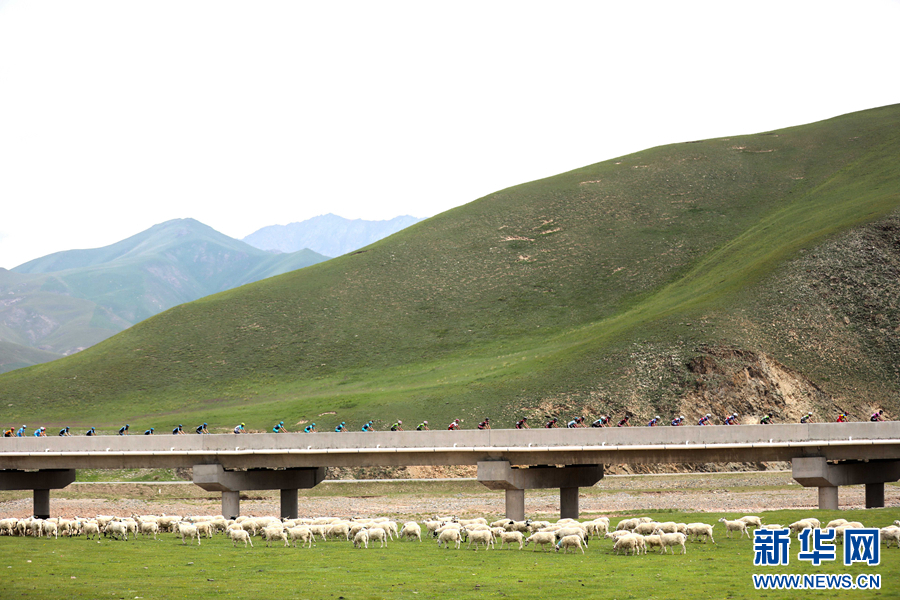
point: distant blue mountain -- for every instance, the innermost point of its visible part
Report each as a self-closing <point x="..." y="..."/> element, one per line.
<point x="329" y="234"/>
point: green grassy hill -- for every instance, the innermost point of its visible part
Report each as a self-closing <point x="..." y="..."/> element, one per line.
<point x="686" y="278"/>
<point x="68" y="301"/>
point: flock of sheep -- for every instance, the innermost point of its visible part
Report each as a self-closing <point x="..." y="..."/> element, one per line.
<point x="631" y="536"/>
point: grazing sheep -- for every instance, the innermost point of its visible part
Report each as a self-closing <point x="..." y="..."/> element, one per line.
<point x="500" y="523"/>
<point x="49" y="528"/>
<point x="361" y="539"/>
<point x="773" y="526"/>
<point x="8" y="526"/>
<point x="302" y="533"/>
<point x="520" y="526"/>
<point x="836" y="523"/>
<point x="628" y="524"/>
<point x="188" y="530"/>
<point x="509" y="537"/>
<point x="890" y="534"/>
<point x="815" y="522"/>
<point x="541" y="538"/>
<point x="798" y="526"/>
<point x="667" y="527"/>
<point x="450" y="535"/>
<point x="275" y="532"/>
<point x="645" y="528"/>
<point x="653" y="541"/>
<point x="90" y="528"/>
<point x="569" y="541"/>
<point x="205" y="528"/>
<point x="752" y="521"/>
<point x="378" y="533"/>
<point x="632" y="542"/>
<point x="115" y="529"/>
<point x="481" y="536"/>
<point x="340" y="529"/>
<point x="734" y="526"/>
<point x="411" y="530"/>
<point x="479" y="521"/>
<point x="239" y="535"/>
<point x="579" y="531"/>
<point x="672" y="539"/>
<point x="149" y="527"/>
<point x="698" y="530"/>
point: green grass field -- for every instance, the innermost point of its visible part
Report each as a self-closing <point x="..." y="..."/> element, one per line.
<point x="165" y="569"/>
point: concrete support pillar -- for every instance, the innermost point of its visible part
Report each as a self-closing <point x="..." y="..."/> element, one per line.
<point x="568" y="503"/>
<point x="42" y="504"/>
<point x="875" y="495"/>
<point x="814" y="471"/>
<point x="500" y="475"/>
<point x="231" y="505"/>
<point x="515" y="505"/>
<point x="214" y="478"/>
<point x="41" y="482"/>
<point x="828" y="497"/>
<point x="289" y="504"/>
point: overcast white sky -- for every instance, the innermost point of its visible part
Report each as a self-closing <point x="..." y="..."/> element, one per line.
<point x="117" y="115"/>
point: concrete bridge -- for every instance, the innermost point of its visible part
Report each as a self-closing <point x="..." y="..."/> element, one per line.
<point x="824" y="455"/>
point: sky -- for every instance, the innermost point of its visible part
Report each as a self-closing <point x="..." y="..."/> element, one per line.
<point x="118" y="115"/>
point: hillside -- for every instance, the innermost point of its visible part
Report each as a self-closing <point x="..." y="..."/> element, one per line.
<point x="329" y="234"/>
<point x="67" y="301"/>
<point x="749" y="273"/>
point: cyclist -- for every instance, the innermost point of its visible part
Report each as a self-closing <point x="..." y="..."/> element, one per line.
<point x="40" y="432"/>
<point x="201" y="429"/>
<point x="279" y="428"/>
<point x="654" y="421"/>
<point x="704" y="420"/>
<point x="91" y="432"/>
<point x="9" y="432"/>
<point x="240" y="429"/>
<point x="678" y="421"/>
<point x="877" y="416"/>
<point x="731" y="419"/>
<point x="423" y="426"/>
<point x="807" y="418"/>
<point x="342" y="428"/>
<point x="178" y="430"/>
<point x="551" y="423"/>
<point x="398" y="426"/>
<point x="310" y="428"/>
<point x="486" y="424"/>
<point x="454" y="425"/>
<point x="623" y="422"/>
<point x="21" y="431"/>
<point x="522" y="423"/>
<point x="603" y="421"/>
<point x="149" y="431"/>
<point x="124" y="429"/>
<point x="766" y="420"/>
<point x="574" y="423"/>
<point x="64" y="432"/>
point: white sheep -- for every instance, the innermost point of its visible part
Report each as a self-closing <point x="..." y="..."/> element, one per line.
<point x="798" y="526"/>
<point x="890" y="534"/>
<point x="239" y="535"/>
<point x="510" y="537"/>
<point x="698" y="530"/>
<point x="667" y="527"/>
<point x="836" y="523"/>
<point x="302" y="533"/>
<point x="614" y="535"/>
<point x="632" y="542"/>
<point x="897" y="523"/>
<point x="275" y="532"/>
<point x="361" y="539"/>
<point x="481" y="536"/>
<point x="521" y="526"/>
<point x="378" y="533"/>
<point x="49" y="528"/>
<point x="339" y="529"/>
<point x="541" y="538"/>
<point x="569" y="541"/>
<point x="672" y="539"/>
<point x="734" y="526"/>
<point x="149" y="527"/>
<point x="645" y="528"/>
<point x="205" y="528"/>
<point x="411" y="530"/>
<point x="771" y="527"/>
<point x="450" y="535"/>
<point x="90" y="528"/>
<point x="653" y="541"/>
<point x="628" y="524"/>
<point x="479" y="521"/>
<point x="500" y="523"/>
<point x="115" y="529"/>
<point x="188" y="530"/>
<point x="752" y="521"/>
<point x="573" y="530"/>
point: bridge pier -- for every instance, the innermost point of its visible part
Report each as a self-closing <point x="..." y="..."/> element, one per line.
<point x="815" y="471"/>
<point x="500" y="475"/>
<point x="41" y="482"/>
<point x="214" y="478"/>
